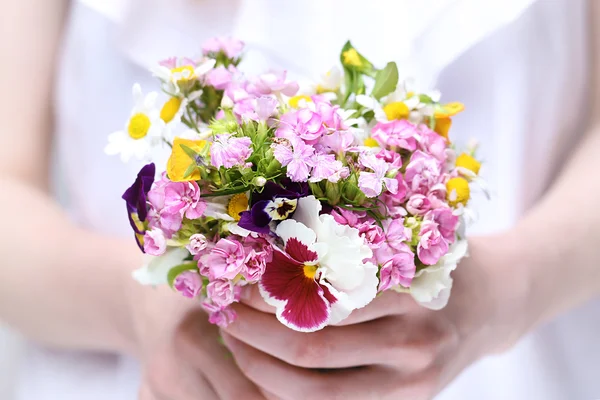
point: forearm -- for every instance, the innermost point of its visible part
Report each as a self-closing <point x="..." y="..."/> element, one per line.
<point x="60" y="284"/>
<point x="557" y="244"/>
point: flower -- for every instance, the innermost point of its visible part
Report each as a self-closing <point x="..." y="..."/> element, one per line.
<point x="228" y="151"/>
<point x="135" y="199"/>
<point x="220" y="77"/>
<point x="259" y="109"/>
<point x="418" y="204"/>
<point x="188" y="283"/>
<point x="399" y="133"/>
<point x="330" y="81"/>
<point x="220" y="316"/>
<point x="156" y="269"/>
<point x="178" y="74"/>
<point x="446" y="221"/>
<point x="221" y="292"/>
<point x="432" y="245"/>
<point x="197" y="244"/>
<point x="458" y="191"/>
<point x="304" y="123"/>
<point x="468" y="162"/>
<point x="263" y="212"/>
<point x="325" y="166"/>
<point x="371" y="183"/>
<point x="432" y="143"/>
<point x="231" y="47"/>
<point x="320" y="276"/>
<point x="422" y="172"/>
<point x="180" y="160"/>
<point x="297" y="159"/>
<point x="398" y="270"/>
<point x="226" y="259"/>
<point x="155" y="242"/>
<point x="184" y="198"/>
<point x="431" y="286"/>
<point x="396" y="235"/>
<point x="143" y="129"/>
<point x="391" y="157"/>
<point x="256" y="262"/>
<point x="272" y="83"/>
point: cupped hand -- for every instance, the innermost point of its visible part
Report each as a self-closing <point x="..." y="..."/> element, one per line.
<point x="393" y="348"/>
<point x="180" y="351"/>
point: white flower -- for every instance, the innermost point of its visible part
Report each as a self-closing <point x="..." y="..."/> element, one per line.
<point x="143" y="130"/>
<point x="155" y="271"/>
<point x="330" y="81"/>
<point x="179" y="72"/>
<point x="431" y="286"/>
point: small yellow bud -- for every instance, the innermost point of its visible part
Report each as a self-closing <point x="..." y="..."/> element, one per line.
<point x="351" y="57"/>
<point x="458" y="191"/>
<point x="170" y="109"/>
<point x="468" y="162"/>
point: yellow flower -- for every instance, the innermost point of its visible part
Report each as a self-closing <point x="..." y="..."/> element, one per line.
<point x="351" y="57"/>
<point x="396" y="110"/>
<point x="468" y="162"/>
<point x="294" y="101"/>
<point x="170" y="109"/>
<point x="370" y="142"/>
<point x="237" y="204"/>
<point x="180" y="161"/>
<point x="138" y="126"/>
<point x="442" y="126"/>
<point x="458" y="191"/>
<point x="448" y="110"/>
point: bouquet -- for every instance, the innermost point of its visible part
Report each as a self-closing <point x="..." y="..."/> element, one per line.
<point x="323" y="195"/>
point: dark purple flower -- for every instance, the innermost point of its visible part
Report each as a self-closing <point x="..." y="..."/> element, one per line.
<point x="135" y="198"/>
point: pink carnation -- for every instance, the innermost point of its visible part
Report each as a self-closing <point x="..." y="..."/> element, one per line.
<point x="197" y="243"/>
<point x="447" y="222"/>
<point x="304" y="124"/>
<point x="188" y="283"/>
<point x="183" y="198"/>
<point x="372" y="183"/>
<point x="398" y="133"/>
<point x="432" y="245"/>
<point x="227" y="151"/>
<point x="418" y="204"/>
<point x="155" y="242"/>
<point x="273" y="83"/>
<point x="432" y="143"/>
<point x="230" y="46"/>
<point x="226" y="259"/>
<point x="296" y="158"/>
<point x="220" y="316"/>
<point x="220" y="77"/>
<point x="398" y="270"/>
<point x="422" y="173"/>
<point x="221" y="292"/>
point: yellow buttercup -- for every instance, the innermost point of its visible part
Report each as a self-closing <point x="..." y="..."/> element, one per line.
<point x="179" y="161"/>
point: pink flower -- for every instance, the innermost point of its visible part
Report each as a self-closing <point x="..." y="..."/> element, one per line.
<point x="227" y="151"/>
<point x="372" y="233"/>
<point x="273" y="83"/>
<point x="390" y="157"/>
<point x="397" y="133"/>
<point x="174" y="62"/>
<point x="220" y="77"/>
<point x="221" y="292"/>
<point x="228" y="45"/>
<point x="432" y="245"/>
<point x="418" y="204"/>
<point x="422" y="173"/>
<point x="396" y="236"/>
<point x="303" y="123"/>
<point x="260" y="109"/>
<point x="197" y="243"/>
<point x="297" y="159"/>
<point x="155" y="242"/>
<point x="325" y="166"/>
<point x="236" y="92"/>
<point x="371" y="183"/>
<point x="347" y="217"/>
<point x="226" y="259"/>
<point x="447" y="222"/>
<point x="330" y="116"/>
<point x="184" y="198"/>
<point x="188" y="283"/>
<point x="218" y="315"/>
<point x="398" y="270"/>
<point x="337" y="142"/>
<point x="432" y="143"/>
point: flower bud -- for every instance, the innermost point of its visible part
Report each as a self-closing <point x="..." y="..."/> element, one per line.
<point x="197" y="243"/>
<point x="259" y="181"/>
<point x="226" y="102"/>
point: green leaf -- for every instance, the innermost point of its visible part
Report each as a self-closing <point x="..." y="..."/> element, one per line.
<point x="356" y="61"/>
<point x="178" y="269"/>
<point x="187" y="150"/>
<point x="423" y="98"/>
<point x="386" y="81"/>
<point x="190" y="170"/>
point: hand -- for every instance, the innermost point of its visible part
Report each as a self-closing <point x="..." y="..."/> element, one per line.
<point x="180" y="351"/>
<point x="393" y="348"/>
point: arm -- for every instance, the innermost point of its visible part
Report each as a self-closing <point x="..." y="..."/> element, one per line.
<point x="59" y="284"/>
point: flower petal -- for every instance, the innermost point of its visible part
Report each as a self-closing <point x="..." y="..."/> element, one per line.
<point x="293" y="229"/>
<point x="155" y="271"/>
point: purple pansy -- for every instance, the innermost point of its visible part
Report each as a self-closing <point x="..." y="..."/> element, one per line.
<point x="135" y="197"/>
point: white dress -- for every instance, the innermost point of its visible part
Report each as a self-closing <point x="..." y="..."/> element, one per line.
<point x="519" y="66"/>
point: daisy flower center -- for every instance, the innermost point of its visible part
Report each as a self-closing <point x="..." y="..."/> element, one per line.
<point x="310" y="271"/>
<point x="396" y="110"/>
<point x="458" y="191"/>
<point x="237" y="204"/>
<point x="183" y="74"/>
<point x="170" y="109"/>
<point x="139" y="125"/>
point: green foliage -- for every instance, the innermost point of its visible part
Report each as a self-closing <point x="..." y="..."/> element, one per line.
<point x="177" y="270"/>
<point x="386" y="81"/>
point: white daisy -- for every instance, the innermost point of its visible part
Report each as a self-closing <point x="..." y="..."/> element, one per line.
<point x="143" y="130"/>
<point x="178" y="74"/>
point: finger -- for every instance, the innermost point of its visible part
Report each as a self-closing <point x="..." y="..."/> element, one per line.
<point x="199" y="343"/>
<point x="388" y="303"/>
<point x="252" y="298"/>
<point x="175" y="379"/>
<point x="290" y="382"/>
<point x="388" y="341"/>
<point x="146" y="393"/>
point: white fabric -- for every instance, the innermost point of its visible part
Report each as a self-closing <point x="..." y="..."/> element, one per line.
<point x="519" y="68"/>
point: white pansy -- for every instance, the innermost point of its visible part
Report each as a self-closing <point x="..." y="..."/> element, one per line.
<point x="143" y="130"/>
<point x="156" y="270"/>
<point x="431" y="286"/>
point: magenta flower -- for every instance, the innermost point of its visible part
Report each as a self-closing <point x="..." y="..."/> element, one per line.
<point x="231" y="47"/>
<point x="325" y="166"/>
<point x="432" y="245"/>
<point x="397" y="133"/>
<point x="221" y="292"/>
<point x="220" y="77"/>
<point x="188" y="283"/>
<point x="227" y="151"/>
<point x="259" y="253"/>
<point x="183" y="198"/>
<point x="226" y="259"/>
<point x="303" y="123"/>
<point x="330" y="116"/>
<point x="398" y="270"/>
<point x="273" y="83"/>
<point x="390" y="157"/>
<point x="372" y="233"/>
<point x="197" y="244"/>
<point x="396" y="236"/>
<point x="432" y="143"/>
<point x="422" y="173"/>
<point x="371" y="183"/>
<point x="446" y="221"/>
<point x="220" y="316"/>
<point x="347" y="217"/>
<point x="418" y="204"/>
<point x="337" y="142"/>
<point x="297" y="159"/>
<point x="155" y="242"/>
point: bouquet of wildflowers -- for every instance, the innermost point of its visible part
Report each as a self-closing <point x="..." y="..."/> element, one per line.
<point x="324" y="196"/>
